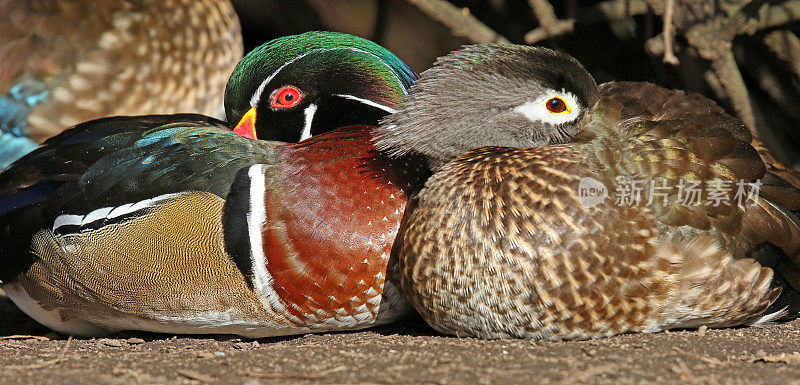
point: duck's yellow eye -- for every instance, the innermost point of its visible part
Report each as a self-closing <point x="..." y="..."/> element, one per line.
<point x="556" y="105"/>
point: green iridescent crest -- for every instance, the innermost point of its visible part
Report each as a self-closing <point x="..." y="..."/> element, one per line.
<point x="315" y="60"/>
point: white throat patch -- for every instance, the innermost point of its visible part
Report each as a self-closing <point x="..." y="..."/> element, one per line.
<point x="309" y="117"/>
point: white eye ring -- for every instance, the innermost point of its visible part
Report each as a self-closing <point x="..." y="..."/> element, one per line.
<point x="536" y="111"/>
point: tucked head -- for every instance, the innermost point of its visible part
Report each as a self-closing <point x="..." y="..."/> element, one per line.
<point x="297" y="86"/>
<point x="490" y="95"/>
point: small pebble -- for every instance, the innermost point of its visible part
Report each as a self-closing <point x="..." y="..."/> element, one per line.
<point x="205" y="355"/>
<point x="111" y="342"/>
<point x="219" y="354"/>
<point x="243" y="345"/>
<point x="701" y="331"/>
<point x="135" y="341"/>
<point x="195" y="375"/>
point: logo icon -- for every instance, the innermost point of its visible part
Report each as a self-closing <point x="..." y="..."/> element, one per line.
<point x="591" y="192"/>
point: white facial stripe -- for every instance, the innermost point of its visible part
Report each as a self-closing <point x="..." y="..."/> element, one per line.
<point x="256" y="217"/>
<point x="536" y="111"/>
<point x="256" y="98"/>
<point x="369" y="103"/>
<point x="309" y="115"/>
<point x="106" y="213"/>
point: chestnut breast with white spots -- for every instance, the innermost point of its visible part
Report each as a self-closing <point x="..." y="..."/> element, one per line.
<point x="331" y="211"/>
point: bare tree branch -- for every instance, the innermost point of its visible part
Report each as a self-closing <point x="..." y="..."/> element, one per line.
<point x="460" y="21"/>
<point x="669" y="54"/>
<point x="778" y="14"/>
<point x="713" y="39"/>
<point x="713" y="82"/>
<point x="544" y="14"/>
<point x="560" y="28"/>
<point x="549" y="25"/>
<point x="605" y="11"/>
<point x="731" y="79"/>
<point x="786" y="46"/>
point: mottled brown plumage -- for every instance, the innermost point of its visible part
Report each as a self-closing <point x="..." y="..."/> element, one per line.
<point x="107" y="57"/>
<point x="498" y="243"/>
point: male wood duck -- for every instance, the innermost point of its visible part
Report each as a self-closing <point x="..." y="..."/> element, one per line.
<point x="176" y="224"/>
<point x="63" y="62"/>
<point x="508" y="239"/>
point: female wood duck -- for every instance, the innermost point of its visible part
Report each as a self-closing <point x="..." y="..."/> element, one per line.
<point x="513" y="234"/>
<point x="63" y="62"/>
<point x="173" y="223"/>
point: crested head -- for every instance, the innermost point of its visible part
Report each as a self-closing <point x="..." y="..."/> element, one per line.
<point x="314" y="82"/>
<point x="489" y="95"/>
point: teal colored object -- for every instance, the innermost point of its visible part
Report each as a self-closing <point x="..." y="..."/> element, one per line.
<point x="15" y="106"/>
<point x="13" y="147"/>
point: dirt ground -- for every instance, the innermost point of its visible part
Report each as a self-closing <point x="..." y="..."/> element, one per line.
<point x="409" y="352"/>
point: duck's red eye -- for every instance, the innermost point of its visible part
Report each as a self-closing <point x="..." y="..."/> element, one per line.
<point x="286" y="97"/>
<point x="557" y="105"/>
